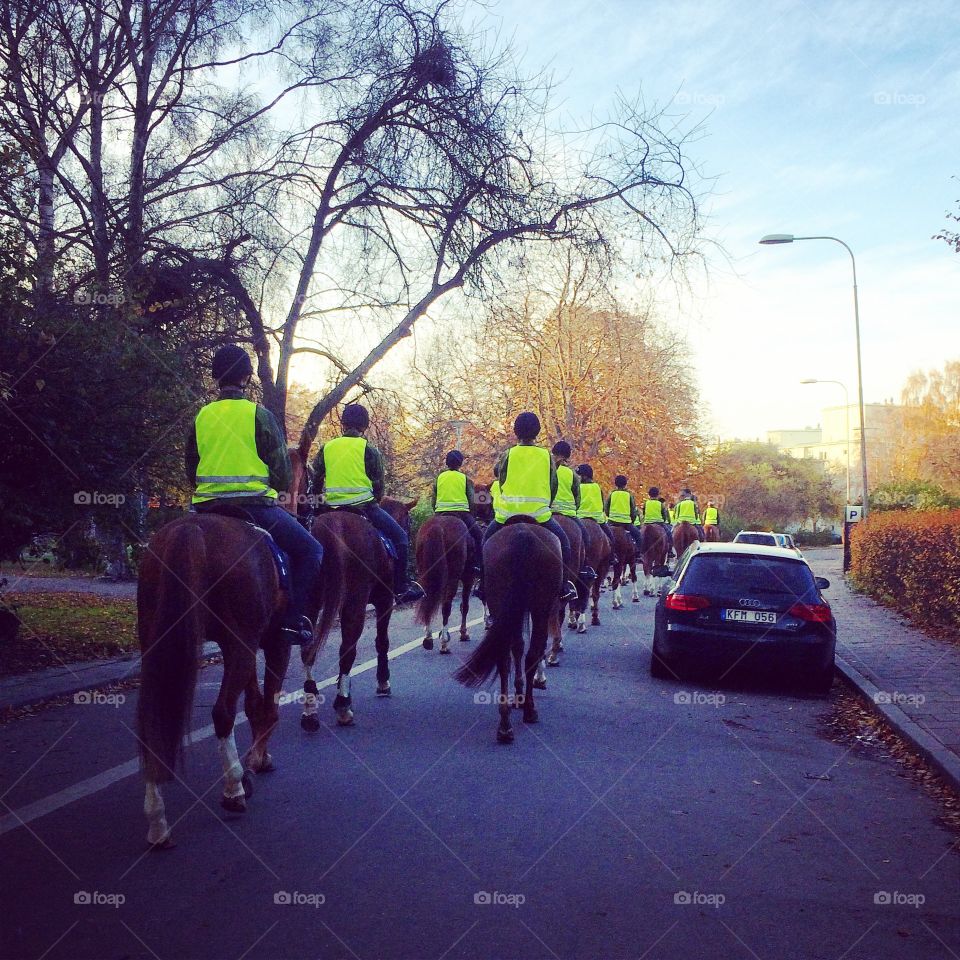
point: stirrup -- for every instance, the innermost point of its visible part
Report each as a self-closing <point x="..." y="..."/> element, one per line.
<point x="568" y="591"/>
<point x="412" y="591"/>
<point x="588" y="573"/>
<point x="298" y="635"/>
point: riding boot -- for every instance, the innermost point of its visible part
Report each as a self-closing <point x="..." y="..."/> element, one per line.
<point x="298" y="633"/>
<point x="568" y="591"/>
<point x="405" y="590"/>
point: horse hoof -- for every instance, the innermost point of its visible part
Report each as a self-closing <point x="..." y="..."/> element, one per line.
<point x="246" y="781"/>
<point x="234" y="804"/>
<point x="266" y="764"/>
<point x="428" y="643"/>
<point x="582" y="628"/>
<point x="540" y="684"/>
<point x="444" y="649"/>
<point x="595" y="622"/>
<point x="464" y="637"/>
<point x="636" y="599"/>
<point x="531" y="716"/>
<point x="383" y="689"/>
<point x="504" y="736"/>
<point x="345" y="718"/>
<point x="553" y="662"/>
<point x="167" y="843"/>
<point x="311" y="722"/>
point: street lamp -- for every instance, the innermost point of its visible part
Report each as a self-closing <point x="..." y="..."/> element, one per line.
<point x="458" y="426"/>
<point x="846" y="410"/>
<point x="776" y="238"/>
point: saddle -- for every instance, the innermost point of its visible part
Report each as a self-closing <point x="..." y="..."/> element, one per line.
<point x="280" y="560"/>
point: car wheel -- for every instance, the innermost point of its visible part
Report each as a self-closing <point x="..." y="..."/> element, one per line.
<point x="660" y="667"/>
<point x="820" y="681"/>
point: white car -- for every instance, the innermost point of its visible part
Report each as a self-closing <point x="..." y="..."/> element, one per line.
<point x="760" y="538"/>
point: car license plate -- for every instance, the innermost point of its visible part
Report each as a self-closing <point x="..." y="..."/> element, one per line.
<point x="750" y="616"/>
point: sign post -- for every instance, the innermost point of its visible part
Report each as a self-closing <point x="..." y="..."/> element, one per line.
<point x="853" y="515"/>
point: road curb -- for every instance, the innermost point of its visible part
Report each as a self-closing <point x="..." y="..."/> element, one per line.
<point x="103" y="674"/>
<point x="946" y="761"/>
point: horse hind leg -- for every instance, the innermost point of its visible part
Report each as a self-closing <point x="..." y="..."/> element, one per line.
<point x="617" y="595"/>
<point x="445" y="628"/>
<point x="504" y="729"/>
<point x="237" y="784"/>
<point x="158" y="830"/>
<point x="384" y="611"/>
<point x="467" y="586"/>
<point x="309" y="719"/>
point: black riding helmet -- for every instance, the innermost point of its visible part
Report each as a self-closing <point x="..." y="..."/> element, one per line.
<point x="620" y="480"/>
<point x="654" y="492"/>
<point x="526" y="426"/>
<point x="585" y="471"/>
<point x="562" y="449"/>
<point x="231" y="364"/>
<point x="454" y="459"/>
<point x="355" y="417"/>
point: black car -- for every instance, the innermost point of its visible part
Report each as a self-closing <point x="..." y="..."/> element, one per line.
<point x="736" y="603"/>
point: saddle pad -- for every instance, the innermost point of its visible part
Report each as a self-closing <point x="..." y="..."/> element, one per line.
<point x="280" y="559"/>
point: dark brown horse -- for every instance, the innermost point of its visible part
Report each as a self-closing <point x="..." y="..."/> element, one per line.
<point x="444" y="562"/>
<point x="598" y="554"/>
<point x="624" y="562"/>
<point x="523" y="571"/>
<point x="653" y="555"/>
<point x="206" y="577"/>
<point x="684" y="533"/>
<point x="573" y="573"/>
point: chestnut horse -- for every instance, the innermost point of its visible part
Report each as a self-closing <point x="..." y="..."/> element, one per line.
<point x="573" y="573"/>
<point x="653" y="555"/>
<point x="444" y="561"/>
<point x="207" y="577"/>
<point x="711" y="533"/>
<point x="624" y="560"/>
<point x="684" y="533"/>
<point x="598" y="554"/>
<point x="523" y="572"/>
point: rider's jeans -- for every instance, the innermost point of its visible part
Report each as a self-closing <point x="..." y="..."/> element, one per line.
<point x="304" y="551"/>
<point x="397" y="536"/>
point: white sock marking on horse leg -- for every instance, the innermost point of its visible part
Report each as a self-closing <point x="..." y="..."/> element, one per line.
<point x="343" y="686"/>
<point x="158" y="830"/>
<point x="232" y="769"/>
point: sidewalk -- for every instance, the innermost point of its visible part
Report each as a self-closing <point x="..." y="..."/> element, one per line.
<point x="913" y="678"/>
<point x="104" y="588"/>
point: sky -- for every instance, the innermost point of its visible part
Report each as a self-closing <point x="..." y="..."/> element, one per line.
<point x="839" y="118"/>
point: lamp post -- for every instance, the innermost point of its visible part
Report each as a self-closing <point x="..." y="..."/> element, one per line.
<point x="458" y="426"/>
<point x="846" y="410"/>
<point x="776" y="238"/>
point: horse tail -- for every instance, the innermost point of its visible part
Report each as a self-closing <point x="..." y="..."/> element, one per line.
<point x="171" y="634"/>
<point x="507" y="626"/>
<point x="432" y="571"/>
<point x="331" y="582"/>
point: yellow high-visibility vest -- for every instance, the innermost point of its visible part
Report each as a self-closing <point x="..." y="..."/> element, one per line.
<point x="687" y="510"/>
<point x="673" y="515"/>
<point x="526" y="490"/>
<point x="563" y="502"/>
<point x="591" y="503"/>
<point x="619" y="508"/>
<point x="495" y="494"/>
<point x="653" y="512"/>
<point x="452" y="492"/>
<point x="711" y="516"/>
<point x="345" y="478"/>
<point x="230" y="465"/>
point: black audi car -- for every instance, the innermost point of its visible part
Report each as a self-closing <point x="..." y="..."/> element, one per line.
<point x="733" y="604"/>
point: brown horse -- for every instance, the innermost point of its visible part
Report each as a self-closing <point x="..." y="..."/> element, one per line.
<point x="598" y="554"/>
<point x="711" y="533"/>
<point x="684" y="533"/>
<point x="624" y="561"/>
<point x="653" y="555"/>
<point x="523" y="572"/>
<point x="573" y="573"/>
<point x="444" y="561"/>
<point x="206" y="577"/>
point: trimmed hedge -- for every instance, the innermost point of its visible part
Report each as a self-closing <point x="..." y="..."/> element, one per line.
<point x="911" y="560"/>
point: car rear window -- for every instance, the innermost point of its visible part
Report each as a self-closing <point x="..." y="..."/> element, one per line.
<point x="762" y="539"/>
<point x="723" y="574"/>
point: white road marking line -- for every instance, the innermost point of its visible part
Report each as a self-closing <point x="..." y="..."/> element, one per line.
<point x="85" y="788"/>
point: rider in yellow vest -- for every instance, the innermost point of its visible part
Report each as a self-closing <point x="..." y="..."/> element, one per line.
<point x="591" y="500"/>
<point x="349" y="472"/>
<point x="655" y="511"/>
<point x="453" y="494"/>
<point x="528" y="485"/>
<point x="567" y="498"/>
<point x="688" y="510"/>
<point x="236" y="457"/>
<point x="711" y="516"/>
<point x="621" y="510"/>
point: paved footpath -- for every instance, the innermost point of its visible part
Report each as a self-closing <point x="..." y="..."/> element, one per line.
<point x="913" y="672"/>
<point x="94" y="585"/>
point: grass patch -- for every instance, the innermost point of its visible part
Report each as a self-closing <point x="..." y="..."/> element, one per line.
<point x="62" y="628"/>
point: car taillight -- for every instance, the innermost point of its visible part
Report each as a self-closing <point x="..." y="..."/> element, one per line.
<point x="811" y="612"/>
<point x="686" y="602"/>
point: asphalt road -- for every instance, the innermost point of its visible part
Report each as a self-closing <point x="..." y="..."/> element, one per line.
<point x="639" y="818"/>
